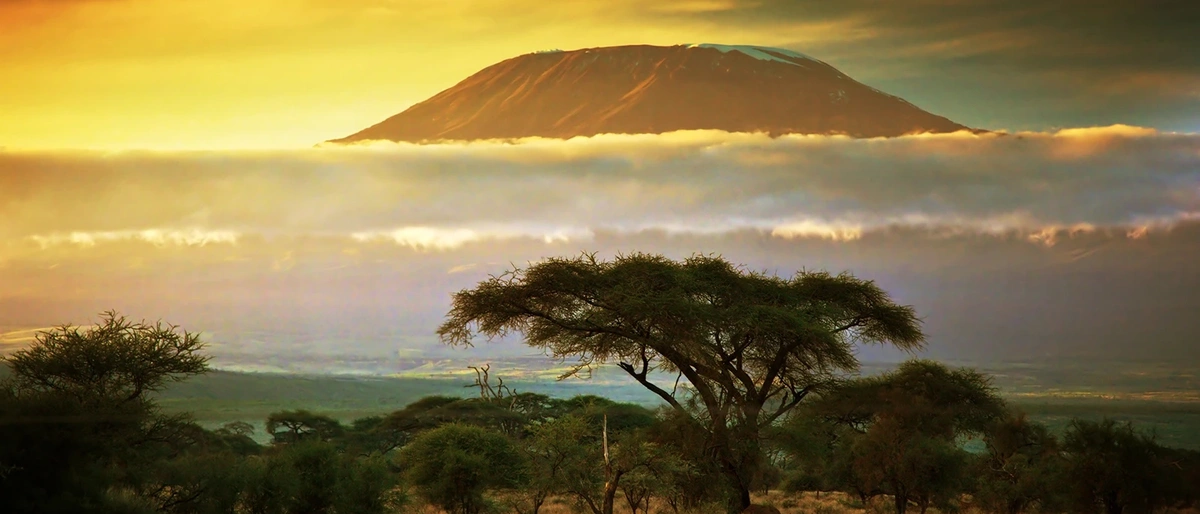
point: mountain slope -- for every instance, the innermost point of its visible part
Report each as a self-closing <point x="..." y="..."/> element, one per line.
<point x="654" y="89"/>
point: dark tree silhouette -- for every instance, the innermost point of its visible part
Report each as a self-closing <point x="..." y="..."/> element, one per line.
<point x="117" y="360"/>
<point x="79" y="422"/>
<point x="909" y="421"/>
<point x="1115" y="469"/>
<point x="1022" y="469"/>
<point x="292" y="426"/>
<point x="750" y="346"/>
<point x="453" y="465"/>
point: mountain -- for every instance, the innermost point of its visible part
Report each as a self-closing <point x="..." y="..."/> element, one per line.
<point x="643" y="89"/>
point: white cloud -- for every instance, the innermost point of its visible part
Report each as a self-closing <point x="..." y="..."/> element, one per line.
<point x="438" y="197"/>
<point x="157" y="237"/>
<point x="1025" y="242"/>
<point x="435" y="238"/>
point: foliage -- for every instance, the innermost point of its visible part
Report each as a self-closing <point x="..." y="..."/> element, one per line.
<point x="313" y="477"/>
<point x="453" y="465"/>
<point x="81" y="431"/>
<point x="1115" y="469"/>
<point x="302" y="425"/>
<point x="367" y="486"/>
<point x="908" y="466"/>
<point x="690" y="484"/>
<point x="904" y="429"/>
<point x="751" y="346"/>
<point x="115" y="361"/>
<point x="1022" y="469"/>
<point x="564" y="458"/>
<point x="270" y="486"/>
<point x="78" y="422"/>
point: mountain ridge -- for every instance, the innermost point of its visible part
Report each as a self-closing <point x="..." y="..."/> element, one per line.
<point x="645" y="89"/>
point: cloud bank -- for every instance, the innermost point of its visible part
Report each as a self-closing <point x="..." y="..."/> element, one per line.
<point x="1011" y="245"/>
<point x="1037" y="185"/>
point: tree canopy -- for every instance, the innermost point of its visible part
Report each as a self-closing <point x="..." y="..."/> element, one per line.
<point x="751" y="346"/>
<point x="117" y="359"/>
<point x="905" y="426"/>
<point x="78" y="420"/>
<point x="454" y="464"/>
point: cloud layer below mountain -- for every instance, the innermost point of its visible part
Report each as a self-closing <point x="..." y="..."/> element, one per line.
<point x="1073" y="241"/>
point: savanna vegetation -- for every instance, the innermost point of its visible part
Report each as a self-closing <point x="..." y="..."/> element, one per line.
<point x="761" y="403"/>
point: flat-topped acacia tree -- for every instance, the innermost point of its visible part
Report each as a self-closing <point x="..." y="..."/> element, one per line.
<point x="751" y="346"/>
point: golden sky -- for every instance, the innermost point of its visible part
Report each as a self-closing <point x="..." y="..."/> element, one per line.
<point x="223" y="74"/>
<point x="169" y="74"/>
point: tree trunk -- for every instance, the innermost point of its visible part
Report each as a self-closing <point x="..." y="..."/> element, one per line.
<point x="741" y="462"/>
<point x="739" y="498"/>
<point x="673" y="502"/>
<point x="611" y="476"/>
<point x="538" y="500"/>
<point x="743" y="498"/>
<point x="610" y="494"/>
<point x="738" y="472"/>
<point x="1014" y="507"/>
<point x="901" y="503"/>
<point x="588" y="500"/>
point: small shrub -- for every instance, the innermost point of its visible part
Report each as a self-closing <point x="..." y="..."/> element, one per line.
<point x="453" y="465"/>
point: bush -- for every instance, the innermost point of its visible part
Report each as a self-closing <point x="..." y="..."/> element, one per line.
<point x="313" y="477"/>
<point x="452" y="466"/>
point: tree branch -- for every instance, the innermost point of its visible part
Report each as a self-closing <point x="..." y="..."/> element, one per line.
<point x="641" y="378"/>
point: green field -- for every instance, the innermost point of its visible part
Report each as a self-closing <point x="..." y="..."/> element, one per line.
<point x="1175" y="424"/>
<point x="221" y="397"/>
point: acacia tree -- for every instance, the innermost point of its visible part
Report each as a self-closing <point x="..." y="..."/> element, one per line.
<point x="1022" y="469"/>
<point x="80" y="422"/>
<point x="751" y="346"/>
<point x="1117" y="469"/>
<point x="908" y="423"/>
<point x="453" y="465"/>
<point x="117" y="360"/>
<point x="292" y="426"/>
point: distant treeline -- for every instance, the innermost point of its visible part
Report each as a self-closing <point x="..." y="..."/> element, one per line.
<point x="80" y="432"/>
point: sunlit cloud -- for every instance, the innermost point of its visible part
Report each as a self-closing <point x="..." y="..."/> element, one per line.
<point x="19" y="338"/>
<point x="421" y="237"/>
<point x="700" y="6"/>
<point x="1039" y="187"/>
<point x="812" y="229"/>
<point x="433" y="238"/>
<point x="461" y="268"/>
<point x="156" y="237"/>
<point x="1049" y="236"/>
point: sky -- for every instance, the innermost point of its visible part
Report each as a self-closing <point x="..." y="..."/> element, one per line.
<point x="157" y="157"/>
<point x="164" y="74"/>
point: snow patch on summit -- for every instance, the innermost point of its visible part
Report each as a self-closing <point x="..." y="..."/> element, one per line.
<point x="762" y="53"/>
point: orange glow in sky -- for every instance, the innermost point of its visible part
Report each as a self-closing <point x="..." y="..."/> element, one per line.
<point x="221" y="74"/>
